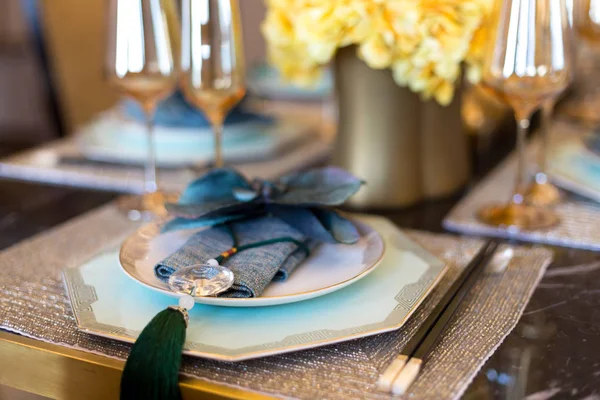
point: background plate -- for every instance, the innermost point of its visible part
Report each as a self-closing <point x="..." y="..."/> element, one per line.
<point x="107" y="303"/>
<point x="113" y="139"/>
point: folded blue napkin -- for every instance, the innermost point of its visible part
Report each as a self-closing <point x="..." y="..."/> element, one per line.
<point x="253" y="269"/>
<point x="296" y="206"/>
<point x="176" y="112"/>
<point x="303" y="200"/>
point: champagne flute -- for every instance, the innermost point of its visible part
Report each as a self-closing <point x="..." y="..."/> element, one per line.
<point x="141" y="64"/>
<point x="541" y="192"/>
<point x="528" y="63"/>
<point x="212" y="61"/>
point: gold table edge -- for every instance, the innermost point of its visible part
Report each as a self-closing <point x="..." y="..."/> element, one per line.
<point x="48" y="366"/>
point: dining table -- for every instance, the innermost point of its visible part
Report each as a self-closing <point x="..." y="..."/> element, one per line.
<point x="551" y="354"/>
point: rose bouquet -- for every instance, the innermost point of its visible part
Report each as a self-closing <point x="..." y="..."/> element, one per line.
<point x="424" y="42"/>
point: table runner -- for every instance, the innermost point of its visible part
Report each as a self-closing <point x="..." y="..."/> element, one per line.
<point x="34" y="303"/>
<point x="580" y="218"/>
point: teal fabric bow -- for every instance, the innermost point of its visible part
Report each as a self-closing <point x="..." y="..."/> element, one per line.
<point x="304" y="201"/>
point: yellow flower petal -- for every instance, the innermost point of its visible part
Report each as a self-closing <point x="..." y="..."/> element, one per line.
<point x="375" y="53"/>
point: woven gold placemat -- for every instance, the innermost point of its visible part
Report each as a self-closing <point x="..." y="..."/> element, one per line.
<point x="579" y="224"/>
<point x="34" y="303"/>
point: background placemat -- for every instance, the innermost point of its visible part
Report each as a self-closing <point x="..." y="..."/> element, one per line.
<point x="43" y="164"/>
<point x="579" y="218"/>
<point x="34" y="303"/>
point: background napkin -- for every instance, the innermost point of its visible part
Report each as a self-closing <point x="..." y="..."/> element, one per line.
<point x="254" y="268"/>
<point x="176" y="112"/>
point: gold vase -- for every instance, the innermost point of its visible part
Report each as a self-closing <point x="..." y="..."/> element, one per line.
<point x="406" y="149"/>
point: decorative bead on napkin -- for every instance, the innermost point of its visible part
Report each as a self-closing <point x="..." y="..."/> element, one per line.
<point x="253" y="269"/>
<point x="259" y="230"/>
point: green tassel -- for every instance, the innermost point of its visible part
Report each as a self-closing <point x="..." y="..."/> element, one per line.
<point x="152" y="369"/>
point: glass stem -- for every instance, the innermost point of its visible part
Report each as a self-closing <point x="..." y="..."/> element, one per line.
<point x="522" y="128"/>
<point x="218" y="132"/>
<point x="545" y="137"/>
<point x="150" y="183"/>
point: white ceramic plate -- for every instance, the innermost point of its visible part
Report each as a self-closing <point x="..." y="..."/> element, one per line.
<point x="112" y="138"/>
<point x="329" y="268"/>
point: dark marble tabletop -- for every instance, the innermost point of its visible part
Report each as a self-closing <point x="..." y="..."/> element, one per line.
<point x="554" y="352"/>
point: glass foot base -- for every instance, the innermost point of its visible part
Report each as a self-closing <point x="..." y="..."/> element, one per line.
<point x="519" y="216"/>
<point x="542" y="194"/>
<point x="146" y="207"/>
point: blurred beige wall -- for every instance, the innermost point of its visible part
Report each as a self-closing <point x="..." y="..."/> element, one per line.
<point x="75" y="34"/>
<point x="253" y="12"/>
<point x="23" y="110"/>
